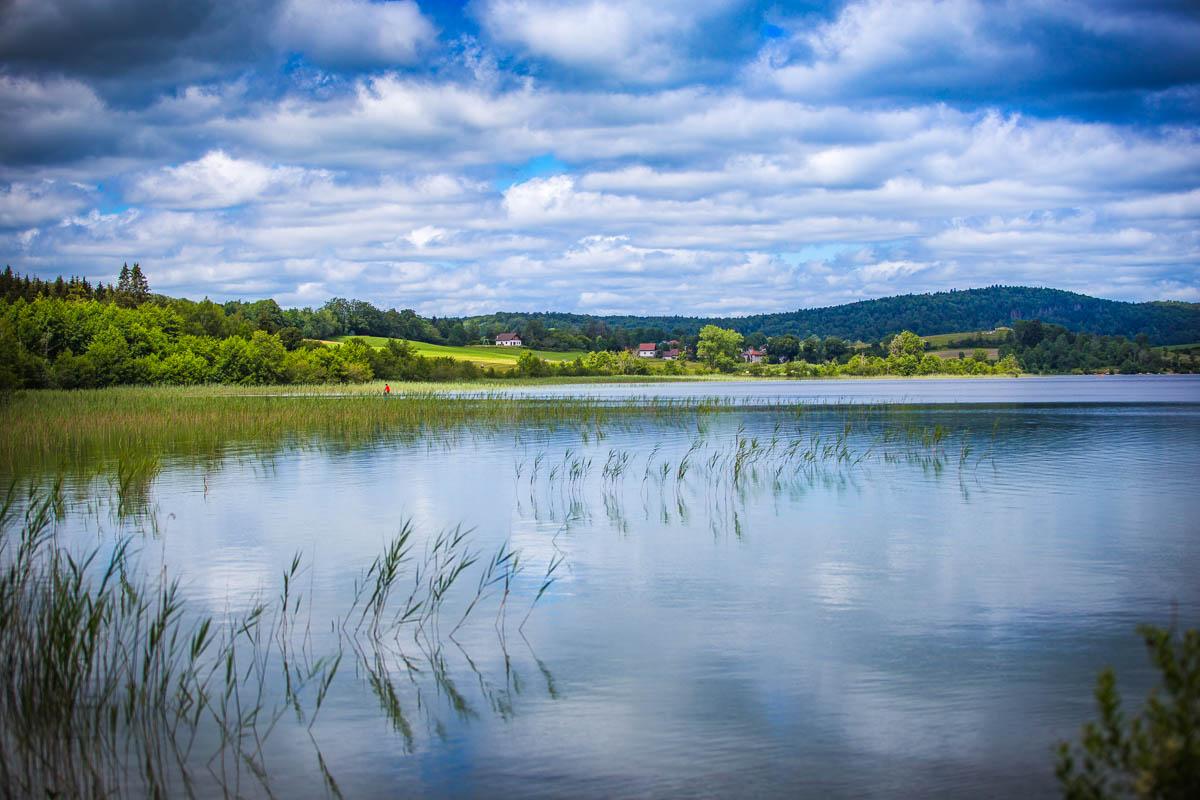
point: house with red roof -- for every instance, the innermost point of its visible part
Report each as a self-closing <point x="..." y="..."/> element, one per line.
<point x="753" y="355"/>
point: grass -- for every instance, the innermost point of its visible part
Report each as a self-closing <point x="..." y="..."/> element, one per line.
<point x="992" y="352"/>
<point x="486" y="356"/>
<point x="113" y="688"/>
<point x="127" y="432"/>
<point x="55" y="431"/>
<point x="946" y="339"/>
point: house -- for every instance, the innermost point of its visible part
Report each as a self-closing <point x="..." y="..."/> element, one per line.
<point x="508" y="339"/>
<point x="754" y="356"/>
<point x="647" y="350"/>
<point x="671" y="355"/>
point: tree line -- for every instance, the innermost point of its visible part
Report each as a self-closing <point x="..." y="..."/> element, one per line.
<point x="938" y="312"/>
<point x="69" y="333"/>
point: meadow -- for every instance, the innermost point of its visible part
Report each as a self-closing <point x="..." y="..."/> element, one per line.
<point x="485" y="356"/>
<point x="948" y="340"/>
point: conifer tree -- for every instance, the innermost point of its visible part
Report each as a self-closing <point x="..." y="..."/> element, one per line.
<point x="139" y="287"/>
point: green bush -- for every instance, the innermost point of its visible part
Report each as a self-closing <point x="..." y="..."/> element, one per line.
<point x="1155" y="753"/>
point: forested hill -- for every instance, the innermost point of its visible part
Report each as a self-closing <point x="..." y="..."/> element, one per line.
<point x="927" y="314"/>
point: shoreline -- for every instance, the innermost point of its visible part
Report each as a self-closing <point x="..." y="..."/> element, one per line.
<point x="499" y="385"/>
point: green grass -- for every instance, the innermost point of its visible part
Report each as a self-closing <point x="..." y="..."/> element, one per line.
<point x="1186" y="348"/>
<point x="487" y="356"/>
<point x="944" y="339"/>
<point x="52" y="431"/>
<point x="992" y="352"/>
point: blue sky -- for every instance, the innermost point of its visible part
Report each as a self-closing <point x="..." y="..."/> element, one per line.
<point x="699" y="157"/>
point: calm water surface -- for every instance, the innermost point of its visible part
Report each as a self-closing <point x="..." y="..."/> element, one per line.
<point x="898" y="613"/>
<point x="1048" y="389"/>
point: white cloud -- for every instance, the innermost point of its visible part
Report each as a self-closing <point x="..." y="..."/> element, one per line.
<point x="397" y="187"/>
<point x="214" y="181"/>
<point x="354" y="32"/>
<point x="636" y="42"/>
<point x="27" y="204"/>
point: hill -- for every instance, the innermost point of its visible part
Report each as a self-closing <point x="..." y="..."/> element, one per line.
<point x="927" y="314"/>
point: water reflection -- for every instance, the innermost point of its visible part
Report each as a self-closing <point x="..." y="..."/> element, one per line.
<point x="843" y="602"/>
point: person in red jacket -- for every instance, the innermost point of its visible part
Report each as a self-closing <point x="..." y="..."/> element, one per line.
<point x="387" y="390"/>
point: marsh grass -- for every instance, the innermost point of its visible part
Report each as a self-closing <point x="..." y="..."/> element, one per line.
<point x="60" y="431"/>
<point x="113" y="687"/>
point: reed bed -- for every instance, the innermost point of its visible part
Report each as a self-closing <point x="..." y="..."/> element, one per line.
<point x="52" y="428"/>
<point x="114" y="688"/>
<point x="51" y="432"/>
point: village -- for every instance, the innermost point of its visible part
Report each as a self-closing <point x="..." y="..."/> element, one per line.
<point x="670" y="350"/>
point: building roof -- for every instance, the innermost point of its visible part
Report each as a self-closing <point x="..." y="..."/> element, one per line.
<point x="753" y="352"/>
<point x="672" y="353"/>
<point x="645" y="347"/>
<point x="508" y="337"/>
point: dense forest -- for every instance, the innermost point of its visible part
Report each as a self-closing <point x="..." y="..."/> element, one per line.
<point x="1162" y="323"/>
<point x="927" y="314"/>
<point x="69" y="333"/>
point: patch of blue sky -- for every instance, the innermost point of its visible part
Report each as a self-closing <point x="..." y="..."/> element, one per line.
<point x="542" y="166"/>
<point x="109" y="200"/>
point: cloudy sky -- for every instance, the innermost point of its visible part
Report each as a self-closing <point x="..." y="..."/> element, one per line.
<point x="676" y="156"/>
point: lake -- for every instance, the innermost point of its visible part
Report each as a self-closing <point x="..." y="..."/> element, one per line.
<point x="810" y="600"/>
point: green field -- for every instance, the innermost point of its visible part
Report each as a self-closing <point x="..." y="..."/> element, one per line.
<point x="944" y="339"/>
<point x="484" y="355"/>
<point x="992" y="352"/>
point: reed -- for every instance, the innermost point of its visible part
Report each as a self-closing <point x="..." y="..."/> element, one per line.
<point x="114" y="688"/>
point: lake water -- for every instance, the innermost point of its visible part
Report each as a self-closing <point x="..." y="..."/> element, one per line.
<point x="826" y="602"/>
<point x="1048" y="389"/>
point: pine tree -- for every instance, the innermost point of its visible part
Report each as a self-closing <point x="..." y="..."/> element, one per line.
<point x="139" y="287"/>
<point x="123" y="285"/>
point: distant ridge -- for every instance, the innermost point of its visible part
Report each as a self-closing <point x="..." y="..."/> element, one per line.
<point x="1163" y="322"/>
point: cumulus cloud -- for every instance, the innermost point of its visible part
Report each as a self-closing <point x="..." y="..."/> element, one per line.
<point x="630" y="41"/>
<point x="1087" y="55"/>
<point x="354" y="32"/>
<point x="214" y="181"/>
<point x="599" y="163"/>
<point x="45" y="202"/>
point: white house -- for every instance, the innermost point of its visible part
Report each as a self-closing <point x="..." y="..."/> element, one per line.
<point x="754" y="356"/>
<point x="508" y="339"/>
<point x="647" y="350"/>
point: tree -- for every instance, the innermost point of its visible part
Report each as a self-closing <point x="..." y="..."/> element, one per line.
<point x="810" y="350"/>
<point x="716" y="342"/>
<point x="906" y="343"/>
<point x="1156" y="754"/>
<point x="835" y="348"/>
<point x="139" y="287"/>
<point x="531" y="366"/>
<point x="783" y="348"/>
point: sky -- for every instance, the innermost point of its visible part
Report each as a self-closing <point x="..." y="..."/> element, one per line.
<point x="701" y="157"/>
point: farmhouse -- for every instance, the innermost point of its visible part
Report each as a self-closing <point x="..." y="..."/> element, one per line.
<point x="508" y="339"/>
<point x="670" y="355"/>
<point x="647" y="350"/>
<point x="754" y="356"/>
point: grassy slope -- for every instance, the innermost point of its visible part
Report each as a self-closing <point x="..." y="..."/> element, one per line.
<point x="943" y="339"/>
<point x="487" y="356"/>
<point x="992" y="352"/>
